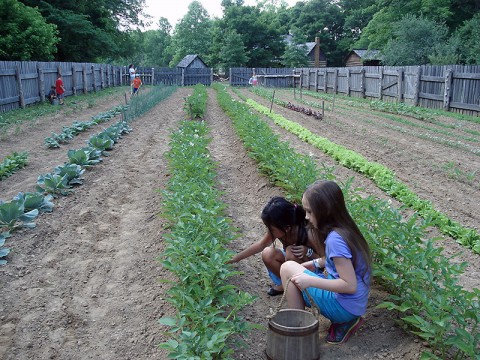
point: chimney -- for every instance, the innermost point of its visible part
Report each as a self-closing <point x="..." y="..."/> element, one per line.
<point x="317" y="51"/>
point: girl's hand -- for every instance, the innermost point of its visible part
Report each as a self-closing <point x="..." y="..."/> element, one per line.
<point x="298" y="250"/>
<point x="301" y="280"/>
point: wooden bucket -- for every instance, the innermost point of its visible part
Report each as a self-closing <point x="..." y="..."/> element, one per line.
<point x="293" y="335"/>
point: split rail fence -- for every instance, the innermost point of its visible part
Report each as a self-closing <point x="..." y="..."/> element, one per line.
<point x="453" y="88"/>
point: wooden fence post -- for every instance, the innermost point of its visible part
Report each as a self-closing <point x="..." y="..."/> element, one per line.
<point x="447" y="90"/>
<point x="316" y="80"/>
<point x="348" y="82"/>
<point x="335" y="82"/>
<point x="400" y="85"/>
<point x="211" y="76"/>
<point x="153" y="76"/>
<point x="41" y="83"/>
<point x="380" y="84"/>
<point x="416" y="85"/>
<point x="308" y="80"/>
<point x="325" y="79"/>
<point x="84" y="78"/>
<point x="94" y="77"/>
<point x="362" y="82"/>
<point x="183" y="76"/>
<point x="74" y="80"/>
<point x="102" y="79"/>
<point x="18" y="77"/>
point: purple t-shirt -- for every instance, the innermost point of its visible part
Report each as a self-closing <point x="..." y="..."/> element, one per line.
<point x="356" y="303"/>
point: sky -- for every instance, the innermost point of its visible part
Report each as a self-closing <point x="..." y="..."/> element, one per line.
<point x="177" y="9"/>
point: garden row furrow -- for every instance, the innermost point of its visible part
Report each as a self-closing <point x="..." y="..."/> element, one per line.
<point x="400" y="250"/>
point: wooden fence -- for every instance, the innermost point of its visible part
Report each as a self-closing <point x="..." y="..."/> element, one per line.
<point x="26" y="82"/>
<point x="453" y="88"/>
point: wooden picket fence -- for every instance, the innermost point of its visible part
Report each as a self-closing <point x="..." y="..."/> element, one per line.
<point x="27" y="82"/>
<point x="453" y="88"/>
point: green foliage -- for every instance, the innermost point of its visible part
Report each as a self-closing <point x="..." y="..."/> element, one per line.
<point x="73" y="172"/>
<point x="468" y="36"/>
<point x="415" y="40"/>
<point x="53" y="184"/>
<point x="13" y="212"/>
<point x="233" y="52"/>
<point x="192" y="33"/>
<point x="441" y="312"/>
<point x="196" y="104"/>
<point x="32" y="201"/>
<point x="382" y="176"/>
<point x="208" y="307"/>
<point x="83" y="157"/>
<point x="296" y="53"/>
<point x="12" y="163"/>
<point x="25" y="34"/>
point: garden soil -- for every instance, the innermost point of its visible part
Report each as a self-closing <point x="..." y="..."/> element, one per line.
<point x="84" y="284"/>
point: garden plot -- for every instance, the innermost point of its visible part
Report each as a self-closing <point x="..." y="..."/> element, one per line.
<point x="83" y="284"/>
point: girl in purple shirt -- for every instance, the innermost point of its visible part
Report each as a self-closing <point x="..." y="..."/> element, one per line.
<point x="341" y="292"/>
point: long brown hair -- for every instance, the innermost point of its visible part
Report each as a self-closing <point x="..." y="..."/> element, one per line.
<point x="327" y="205"/>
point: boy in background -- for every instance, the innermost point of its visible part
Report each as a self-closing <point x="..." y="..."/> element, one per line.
<point x="137" y="82"/>
<point x="60" y="89"/>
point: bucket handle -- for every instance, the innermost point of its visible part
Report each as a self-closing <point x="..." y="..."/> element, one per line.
<point x="314" y="306"/>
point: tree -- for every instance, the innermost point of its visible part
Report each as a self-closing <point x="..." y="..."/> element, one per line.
<point x="157" y="43"/>
<point x="24" y="33"/>
<point x="296" y="52"/>
<point x="323" y="18"/>
<point x="90" y="29"/>
<point x="415" y="40"/>
<point x="233" y="51"/>
<point x="192" y="33"/>
<point x="468" y="36"/>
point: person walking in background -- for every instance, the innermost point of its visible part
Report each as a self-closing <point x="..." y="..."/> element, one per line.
<point x="341" y="295"/>
<point x="137" y="82"/>
<point x="285" y="221"/>
<point x="60" y="89"/>
<point x="131" y="71"/>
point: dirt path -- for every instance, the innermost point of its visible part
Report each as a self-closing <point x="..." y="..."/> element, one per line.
<point x="83" y="284"/>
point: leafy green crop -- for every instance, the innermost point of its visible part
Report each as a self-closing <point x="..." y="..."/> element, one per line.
<point x="11" y="163"/>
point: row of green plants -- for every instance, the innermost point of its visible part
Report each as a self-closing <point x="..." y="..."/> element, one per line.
<point x="13" y="162"/>
<point x="23" y="209"/>
<point x="423" y="283"/>
<point x="78" y="127"/>
<point x="346" y="110"/>
<point x="429" y="116"/>
<point x="208" y="307"/>
<point x="196" y="104"/>
<point x="383" y="177"/>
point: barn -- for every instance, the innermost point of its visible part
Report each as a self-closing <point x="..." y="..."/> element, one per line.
<point x="192" y="62"/>
<point x="363" y="58"/>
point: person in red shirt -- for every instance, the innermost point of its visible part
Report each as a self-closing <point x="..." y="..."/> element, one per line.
<point x="137" y="82"/>
<point x="60" y="89"/>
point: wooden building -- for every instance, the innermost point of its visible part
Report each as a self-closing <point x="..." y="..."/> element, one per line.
<point x="363" y="58"/>
<point x="192" y="62"/>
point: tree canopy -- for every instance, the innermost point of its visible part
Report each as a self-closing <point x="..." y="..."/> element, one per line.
<point x="252" y="36"/>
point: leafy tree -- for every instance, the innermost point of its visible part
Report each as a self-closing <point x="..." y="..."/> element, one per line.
<point x="24" y="33"/>
<point x="90" y="29"/>
<point x="157" y="43"/>
<point x="296" y="52"/>
<point x="233" y="52"/>
<point x="192" y="33"/>
<point x="415" y="40"/>
<point x="323" y="18"/>
<point x="260" y="32"/>
<point x="468" y="37"/>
